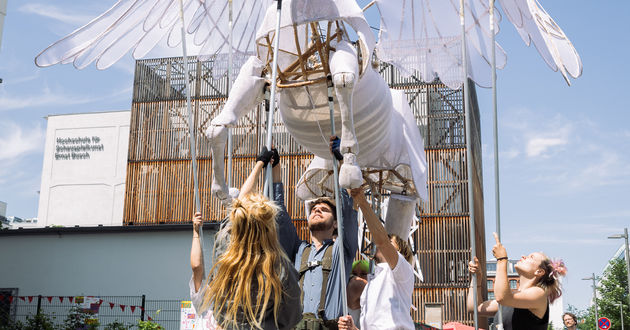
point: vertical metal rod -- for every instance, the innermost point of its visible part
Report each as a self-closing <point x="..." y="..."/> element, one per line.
<point x="229" y="86"/>
<point x="625" y="232"/>
<point x="268" y="188"/>
<point x="621" y="312"/>
<point x="469" y="155"/>
<point x="191" y="123"/>
<point x="340" y="237"/>
<point x="595" y="299"/>
<point x="497" y="202"/>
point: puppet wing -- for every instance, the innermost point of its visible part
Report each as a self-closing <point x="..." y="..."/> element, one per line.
<point x="138" y="26"/>
<point x="423" y="38"/>
<point x="534" y="25"/>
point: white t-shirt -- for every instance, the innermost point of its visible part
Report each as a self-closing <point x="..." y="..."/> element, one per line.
<point x="386" y="299"/>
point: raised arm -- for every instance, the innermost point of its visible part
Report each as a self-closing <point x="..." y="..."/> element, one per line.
<point x="379" y="234"/>
<point x="264" y="157"/>
<point x="530" y="298"/>
<point x="196" y="255"/>
<point x="486" y="308"/>
<point x="287" y="234"/>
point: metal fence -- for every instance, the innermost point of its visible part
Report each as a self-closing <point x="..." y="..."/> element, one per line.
<point x="105" y="310"/>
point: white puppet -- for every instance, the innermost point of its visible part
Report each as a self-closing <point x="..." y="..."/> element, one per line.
<point x="316" y="41"/>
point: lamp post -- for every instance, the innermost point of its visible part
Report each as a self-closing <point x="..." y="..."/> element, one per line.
<point x="625" y="236"/>
<point x="593" y="278"/>
<point x="621" y="313"/>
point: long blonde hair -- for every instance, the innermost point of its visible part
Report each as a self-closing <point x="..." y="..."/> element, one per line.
<point x="252" y="262"/>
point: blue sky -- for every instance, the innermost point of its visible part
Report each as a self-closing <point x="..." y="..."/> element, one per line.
<point x="564" y="161"/>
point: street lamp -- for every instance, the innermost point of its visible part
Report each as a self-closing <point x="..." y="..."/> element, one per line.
<point x="625" y="236"/>
<point x="593" y="278"/>
<point x="620" y="312"/>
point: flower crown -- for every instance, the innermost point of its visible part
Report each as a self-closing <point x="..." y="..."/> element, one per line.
<point x="558" y="268"/>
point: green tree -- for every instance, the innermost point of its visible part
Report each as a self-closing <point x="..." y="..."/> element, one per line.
<point x="79" y="319"/>
<point x="612" y="290"/>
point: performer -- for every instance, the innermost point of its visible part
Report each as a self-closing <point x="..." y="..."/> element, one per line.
<point x="318" y="263"/>
<point x="252" y="285"/>
<point x="386" y="299"/>
<point x="528" y="308"/>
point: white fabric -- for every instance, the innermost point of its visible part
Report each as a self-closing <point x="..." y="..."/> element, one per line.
<point x="377" y="120"/>
<point x="203" y="316"/>
<point x="386" y="299"/>
<point x="534" y="25"/>
<point x="423" y="37"/>
<point x="356" y="316"/>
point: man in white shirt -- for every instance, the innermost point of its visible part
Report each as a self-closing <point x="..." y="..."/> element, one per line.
<point x="386" y="299"/>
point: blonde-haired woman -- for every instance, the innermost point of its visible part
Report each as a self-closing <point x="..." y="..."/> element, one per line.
<point x="527" y="308"/>
<point x="252" y="285"/>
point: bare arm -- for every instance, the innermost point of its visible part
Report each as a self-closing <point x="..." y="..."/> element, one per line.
<point x="486" y="308"/>
<point x="252" y="179"/>
<point x="379" y="235"/>
<point x="196" y="254"/>
<point x="533" y="298"/>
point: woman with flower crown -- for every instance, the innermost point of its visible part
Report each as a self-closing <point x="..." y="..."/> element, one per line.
<point x="527" y="308"/>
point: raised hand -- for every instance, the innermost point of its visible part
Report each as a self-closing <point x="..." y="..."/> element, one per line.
<point x="498" y="250"/>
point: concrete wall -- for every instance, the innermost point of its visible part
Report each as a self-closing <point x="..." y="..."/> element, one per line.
<point x="129" y="261"/>
<point x="85" y="163"/>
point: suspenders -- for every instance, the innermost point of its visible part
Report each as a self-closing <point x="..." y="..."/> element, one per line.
<point x="325" y="263"/>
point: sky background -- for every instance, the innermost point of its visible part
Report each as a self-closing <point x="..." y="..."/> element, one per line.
<point x="564" y="151"/>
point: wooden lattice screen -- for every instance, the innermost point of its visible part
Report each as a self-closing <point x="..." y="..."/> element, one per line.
<point x="159" y="186"/>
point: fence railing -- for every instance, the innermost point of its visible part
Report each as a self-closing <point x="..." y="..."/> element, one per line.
<point x="105" y="310"/>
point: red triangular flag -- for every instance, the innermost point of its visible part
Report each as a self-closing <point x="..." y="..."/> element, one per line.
<point x="150" y="319"/>
<point x="133" y="308"/>
<point x="49" y="299"/>
<point x="142" y="308"/>
<point x="71" y="299"/>
<point x="23" y="298"/>
<point x="122" y="308"/>
<point x="1" y="297"/>
<point x="10" y="299"/>
<point x="100" y="302"/>
<point x="30" y="299"/>
<point x="111" y="305"/>
<point x="61" y="299"/>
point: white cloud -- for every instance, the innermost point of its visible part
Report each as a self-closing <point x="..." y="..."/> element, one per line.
<point x="16" y="142"/>
<point x="55" y="13"/>
<point x="538" y="146"/>
<point x="45" y="98"/>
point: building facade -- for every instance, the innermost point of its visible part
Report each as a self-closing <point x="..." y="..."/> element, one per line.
<point x="159" y="187"/>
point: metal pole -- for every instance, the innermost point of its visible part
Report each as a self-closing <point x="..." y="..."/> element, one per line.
<point x="268" y="188"/>
<point x="229" y="86"/>
<point x="621" y="312"/>
<point x="144" y="297"/>
<point x="471" y="202"/>
<point x="497" y="202"/>
<point x="191" y="124"/>
<point x="595" y="300"/>
<point x="342" y="260"/>
<point x="625" y="232"/>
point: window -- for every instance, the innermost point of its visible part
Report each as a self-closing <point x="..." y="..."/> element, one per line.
<point x="513" y="284"/>
<point x="490" y="295"/>
<point x="491" y="267"/>
<point x="490" y="284"/>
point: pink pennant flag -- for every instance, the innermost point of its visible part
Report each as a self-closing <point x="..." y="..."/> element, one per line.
<point x="23" y="298"/>
<point x="111" y="305"/>
<point x="71" y="299"/>
<point x="30" y="299"/>
<point x="122" y="307"/>
<point x="49" y="299"/>
<point x="61" y="299"/>
<point x="133" y="308"/>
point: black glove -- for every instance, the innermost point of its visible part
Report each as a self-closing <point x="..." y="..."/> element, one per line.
<point x="264" y="156"/>
<point x="275" y="157"/>
<point x="334" y="147"/>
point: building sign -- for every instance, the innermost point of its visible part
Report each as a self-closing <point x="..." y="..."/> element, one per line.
<point x="76" y="148"/>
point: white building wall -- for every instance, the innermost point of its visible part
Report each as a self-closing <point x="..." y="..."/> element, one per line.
<point x="154" y="263"/>
<point x="3" y="209"/>
<point x="85" y="163"/>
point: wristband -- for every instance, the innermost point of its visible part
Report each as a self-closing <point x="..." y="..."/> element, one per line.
<point x="502" y="258"/>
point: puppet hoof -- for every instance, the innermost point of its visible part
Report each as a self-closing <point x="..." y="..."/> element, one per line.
<point x="350" y="176"/>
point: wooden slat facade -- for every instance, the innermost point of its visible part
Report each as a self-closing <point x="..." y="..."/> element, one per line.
<point x="159" y="186"/>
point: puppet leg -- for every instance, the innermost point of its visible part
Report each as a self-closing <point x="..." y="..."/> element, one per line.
<point x="345" y="72"/>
